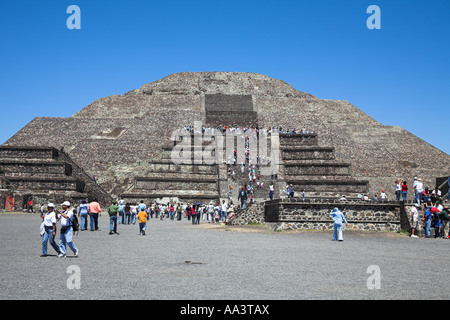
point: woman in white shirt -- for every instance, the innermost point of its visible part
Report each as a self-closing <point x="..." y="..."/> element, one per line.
<point x="134" y="212"/>
<point x="398" y="190"/>
<point x="50" y="230"/>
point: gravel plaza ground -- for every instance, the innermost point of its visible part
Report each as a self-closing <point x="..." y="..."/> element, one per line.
<point x="180" y="261"/>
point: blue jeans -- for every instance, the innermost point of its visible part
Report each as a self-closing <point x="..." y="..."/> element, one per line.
<point x="48" y="236"/>
<point x="271" y="195"/>
<point x="418" y="197"/>
<point x="133" y="218"/>
<point x="121" y="218"/>
<point x="113" y="223"/>
<point x="142" y="227"/>
<point x="65" y="238"/>
<point x="243" y="203"/>
<point x="94" y="221"/>
<point x="427" y="228"/>
<point x="337" y="235"/>
<point x="83" y="222"/>
<point x="127" y="217"/>
<point x="404" y="195"/>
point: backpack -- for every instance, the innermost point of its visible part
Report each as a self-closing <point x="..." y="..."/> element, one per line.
<point x="444" y="214"/>
<point x="75" y="223"/>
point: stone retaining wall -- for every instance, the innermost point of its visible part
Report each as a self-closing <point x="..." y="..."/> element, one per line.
<point x="290" y="215"/>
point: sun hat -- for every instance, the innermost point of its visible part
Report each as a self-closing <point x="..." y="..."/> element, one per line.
<point x="66" y="203"/>
<point x="51" y="205"/>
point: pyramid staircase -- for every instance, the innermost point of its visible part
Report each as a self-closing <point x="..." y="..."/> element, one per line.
<point x="166" y="181"/>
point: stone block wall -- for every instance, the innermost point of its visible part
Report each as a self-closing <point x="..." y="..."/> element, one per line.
<point x="291" y="215"/>
<point x="45" y="174"/>
<point x="314" y="168"/>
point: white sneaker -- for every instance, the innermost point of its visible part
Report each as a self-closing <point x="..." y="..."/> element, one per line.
<point x="76" y="253"/>
<point x="61" y="255"/>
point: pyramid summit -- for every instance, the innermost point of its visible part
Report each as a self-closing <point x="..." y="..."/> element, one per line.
<point x="124" y="140"/>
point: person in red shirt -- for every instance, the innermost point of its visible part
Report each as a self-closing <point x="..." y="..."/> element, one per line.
<point x="404" y="190"/>
<point x="171" y="211"/>
<point x="30" y="206"/>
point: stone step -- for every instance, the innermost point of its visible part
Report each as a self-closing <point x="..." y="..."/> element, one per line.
<point x="183" y="192"/>
<point x="317" y="168"/>
<point x="173" y="184"/>
<point x="298" y="139"/>
<point x="167" y="165"/>
<point x="27" y="167"/>
<point x="300" y="154"/>
<point x="137" y="195"/>
<point x="19" y="152"/>
<point x="317" y="179"/>
<point x="336" y="187"/>
<point x="178" y="176"/>
<point x="57" y="183"/>
<point x="38" y="175"/>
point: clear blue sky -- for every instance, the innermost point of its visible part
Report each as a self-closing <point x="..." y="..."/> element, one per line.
<point x="399" y="75"/>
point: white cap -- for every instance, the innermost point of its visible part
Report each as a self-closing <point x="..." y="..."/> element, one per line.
<point x="66" y="203"/>
<point x="51" y="205"/>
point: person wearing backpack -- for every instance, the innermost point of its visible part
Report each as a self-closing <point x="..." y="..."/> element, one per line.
<point x="66" y="232"/>
<point x="83" y="211"/>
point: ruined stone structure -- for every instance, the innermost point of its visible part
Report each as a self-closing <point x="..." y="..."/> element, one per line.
<point x="125" y="140"/>
<point x="44" y="174"/>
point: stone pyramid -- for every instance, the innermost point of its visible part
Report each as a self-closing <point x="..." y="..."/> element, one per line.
<point x="123" y="139"/>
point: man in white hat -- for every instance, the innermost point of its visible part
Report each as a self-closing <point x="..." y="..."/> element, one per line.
<point x="414" y="219"/>
<point x="66" y="231"/>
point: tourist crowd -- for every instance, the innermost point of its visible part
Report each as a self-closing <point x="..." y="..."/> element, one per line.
<point x="248" y="129"/>
<point x="124" y="214"/>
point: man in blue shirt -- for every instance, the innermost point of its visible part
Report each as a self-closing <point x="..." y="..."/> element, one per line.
<point x="338" y="218"/>
<point x="427" y="221"/>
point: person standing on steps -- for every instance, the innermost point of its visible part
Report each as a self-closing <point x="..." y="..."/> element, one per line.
<point x="243" y="197"/>
<point x="414" y="220"/>
<point x="271" y="190"/>
<point x="66" y="232"/>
